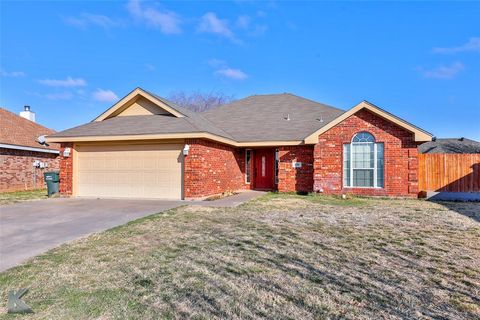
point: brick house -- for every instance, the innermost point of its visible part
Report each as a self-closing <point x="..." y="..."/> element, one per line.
<point x="22" y="158"/>
<point x="147" y="147"/>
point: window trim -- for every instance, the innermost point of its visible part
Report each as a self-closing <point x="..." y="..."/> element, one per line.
<point x="276" y="164"/>
<point x="375" y="164"/>
<point x="248" y="179"/>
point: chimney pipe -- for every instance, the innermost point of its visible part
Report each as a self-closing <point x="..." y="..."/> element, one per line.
<point x="27" y="114"/>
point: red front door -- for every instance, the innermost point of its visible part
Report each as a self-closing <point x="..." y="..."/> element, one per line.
<point x="264" y="169"/>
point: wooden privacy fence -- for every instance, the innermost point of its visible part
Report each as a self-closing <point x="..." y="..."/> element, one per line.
<point x="449" y="172"/>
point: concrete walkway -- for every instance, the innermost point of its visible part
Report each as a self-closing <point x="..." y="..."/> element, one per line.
<point x="30" y="228"/>
<point x="231" y="201"/>
<point x="453" y="196"/>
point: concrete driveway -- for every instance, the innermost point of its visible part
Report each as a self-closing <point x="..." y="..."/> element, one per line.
<point x="33" y="227"/>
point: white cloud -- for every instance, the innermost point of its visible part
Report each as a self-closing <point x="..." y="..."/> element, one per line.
<point x="473" y="45"/>
<point x="167" y="21"/>
<point x="243" y="22"/>
<point x="217" y="63"/>
<point x="235" y="74"/>
<point x="69" y="82"/>
<point x="261" y="14"/>
<point x="292" y="26"/>
<point x="105" y="95"/>
<point x="59" y="96"/>
<point x="12" y="74"/>
<point x="443" y="72"/>
<point x="249" y="26"/>
<point x="89" y="19"/>
<point x="150" y="67"/>
<point x="210" y="23"/>
<point x="259" y="30"/>
<point x="51" y="96"/>
<point x="223" y="70"/>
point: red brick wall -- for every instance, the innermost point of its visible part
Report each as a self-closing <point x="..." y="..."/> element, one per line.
<point x="212" y="168"/>
<point x="17" y="172"/>
<point x="66" y="170"/>
<point x="295" y="179"/>
<point x="401" y="157"/>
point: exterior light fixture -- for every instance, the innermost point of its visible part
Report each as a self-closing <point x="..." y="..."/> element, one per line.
<point x="186" y="149"/>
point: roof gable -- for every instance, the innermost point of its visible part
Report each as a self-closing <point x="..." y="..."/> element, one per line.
<point x="140" y="107"/>
<point x="274" y="119"/>
<point x="140" y="102"/>
<point x="419" y="134"/>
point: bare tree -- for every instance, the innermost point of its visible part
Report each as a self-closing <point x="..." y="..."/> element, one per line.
<point x="199" y="101"/>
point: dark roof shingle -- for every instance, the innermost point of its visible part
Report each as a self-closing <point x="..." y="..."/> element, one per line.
<point x="451" y="145"/>
<point x="273" y="117"/>
<point x="255" y="118"/>
<point x="140" y="125"/>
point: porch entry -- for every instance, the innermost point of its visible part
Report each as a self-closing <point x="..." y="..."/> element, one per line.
<point x="264" y="168"/>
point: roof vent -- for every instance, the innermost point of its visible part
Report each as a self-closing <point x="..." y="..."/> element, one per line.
<point x="461" y="139"/>
<point x="27" y="114"/>
<point x="320" y="119"/>
<point x="434" y="138"/>
<point x="287" y="117"/>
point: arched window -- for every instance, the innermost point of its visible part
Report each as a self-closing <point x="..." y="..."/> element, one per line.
<point x="363" y="162"/>
<point x="363" y="137"/>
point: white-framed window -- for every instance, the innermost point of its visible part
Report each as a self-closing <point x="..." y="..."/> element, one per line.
<point x="363" y="162"/>
<point x="248" y="161"/>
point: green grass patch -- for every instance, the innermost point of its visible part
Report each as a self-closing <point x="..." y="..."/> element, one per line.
<point x="12" y="197"/>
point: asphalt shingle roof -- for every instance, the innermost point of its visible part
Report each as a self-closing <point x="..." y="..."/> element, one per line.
<point x="255" y="118"/>
<point x="139" y="125"/>
<point x="450" y="145"/>
<point x="264" y="117"/>
<point x="19" y="131"/>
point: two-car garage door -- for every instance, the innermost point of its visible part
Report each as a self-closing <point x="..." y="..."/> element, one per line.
<point x="129" y="171"/>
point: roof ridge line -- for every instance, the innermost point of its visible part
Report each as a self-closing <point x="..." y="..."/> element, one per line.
<point x="29" y="121"/>
<point x="307" y="99"/>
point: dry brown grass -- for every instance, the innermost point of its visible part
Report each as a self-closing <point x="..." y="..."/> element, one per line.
<point x="279" y="257"/>
<point x="225" y="194"/>
<point x="12" y="197"/>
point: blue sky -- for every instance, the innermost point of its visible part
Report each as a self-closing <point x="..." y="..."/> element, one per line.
<point x="71" y="60"/>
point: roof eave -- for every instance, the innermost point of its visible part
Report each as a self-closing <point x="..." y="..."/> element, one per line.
<point x="169" y="136"/>
<point x="28" y="148"/>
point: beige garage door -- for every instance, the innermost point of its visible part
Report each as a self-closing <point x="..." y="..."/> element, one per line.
<point x="133" y="171"/>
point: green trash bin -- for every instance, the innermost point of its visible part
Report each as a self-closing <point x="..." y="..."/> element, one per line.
<point x="52" y="179"/>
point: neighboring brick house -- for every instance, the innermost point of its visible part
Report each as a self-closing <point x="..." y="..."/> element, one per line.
<point x="147" y="147"/>
<point x="22" y="159"/>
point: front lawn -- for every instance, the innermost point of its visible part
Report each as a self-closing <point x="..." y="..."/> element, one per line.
<point x="277" y="257"/>
<point x="11" y="197"/>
